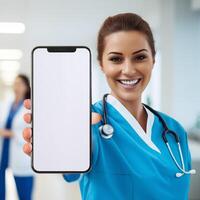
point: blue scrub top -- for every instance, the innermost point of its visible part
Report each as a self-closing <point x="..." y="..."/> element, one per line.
<point x="124" y="167"/>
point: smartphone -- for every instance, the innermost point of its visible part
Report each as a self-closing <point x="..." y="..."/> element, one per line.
<point x="61" y="109"/>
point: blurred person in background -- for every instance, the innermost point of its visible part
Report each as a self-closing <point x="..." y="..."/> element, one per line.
<point x="11" y="141"/>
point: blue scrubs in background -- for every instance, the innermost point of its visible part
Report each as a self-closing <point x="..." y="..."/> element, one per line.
<point x="24" y="184"/>
<point x="134" y="164"/>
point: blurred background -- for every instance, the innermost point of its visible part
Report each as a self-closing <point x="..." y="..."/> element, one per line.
<point x="174" y="87"/>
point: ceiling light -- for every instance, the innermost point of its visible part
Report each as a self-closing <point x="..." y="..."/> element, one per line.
<point x="12" y="27"/>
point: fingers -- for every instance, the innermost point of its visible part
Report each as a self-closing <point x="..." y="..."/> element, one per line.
<point x="27" y="134"/>
<point x="27" y="118"/>
<point x="27" y="148"/>
<point x="27" y="104"/>
<point x="96" y="118"/>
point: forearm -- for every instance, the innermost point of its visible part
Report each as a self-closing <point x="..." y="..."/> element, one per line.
<point x="6" y="133"/>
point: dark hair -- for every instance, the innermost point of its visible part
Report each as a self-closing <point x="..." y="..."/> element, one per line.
<point x="26" y="81"/>
<point x="124" y="22"/>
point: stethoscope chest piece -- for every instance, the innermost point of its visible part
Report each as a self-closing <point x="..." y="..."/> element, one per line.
<point x="106" y="131"/>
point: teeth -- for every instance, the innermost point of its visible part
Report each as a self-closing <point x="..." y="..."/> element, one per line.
<point x="129" y="82"/>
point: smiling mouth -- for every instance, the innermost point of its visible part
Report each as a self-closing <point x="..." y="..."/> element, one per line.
<point x="129" y="83"/>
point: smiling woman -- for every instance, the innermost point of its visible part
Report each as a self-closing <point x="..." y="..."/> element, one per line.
<point x="135" y="159"/>
<point x="135" y="162"/>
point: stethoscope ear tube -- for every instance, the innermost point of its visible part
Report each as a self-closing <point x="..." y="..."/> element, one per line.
<point x="167" y="131"/>
<point x="192" y="171"/>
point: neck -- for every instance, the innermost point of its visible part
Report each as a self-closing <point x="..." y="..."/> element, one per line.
<point x="136" y="108"/>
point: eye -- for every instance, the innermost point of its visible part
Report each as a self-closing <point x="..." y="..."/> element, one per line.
<point x="140" y="57"/>
<point x="116" y="59"/>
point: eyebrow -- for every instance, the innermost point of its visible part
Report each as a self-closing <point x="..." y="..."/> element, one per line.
<point x="132" y="53"/>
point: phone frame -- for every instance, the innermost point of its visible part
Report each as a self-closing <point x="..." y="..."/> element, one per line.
<point x="62" y="49"/>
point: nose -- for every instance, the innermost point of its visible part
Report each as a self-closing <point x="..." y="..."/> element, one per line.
<point x="128" y="68"/>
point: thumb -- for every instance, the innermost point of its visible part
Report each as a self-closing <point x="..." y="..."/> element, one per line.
<point x="96" y="117"/>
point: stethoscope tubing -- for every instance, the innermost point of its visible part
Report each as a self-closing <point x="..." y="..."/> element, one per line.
<point x="166" y="131"/>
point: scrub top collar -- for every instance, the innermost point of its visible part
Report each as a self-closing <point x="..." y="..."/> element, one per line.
<point x="145" y="136"/>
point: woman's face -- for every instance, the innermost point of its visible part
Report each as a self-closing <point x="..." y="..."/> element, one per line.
<point x="19" y="87"/>
<point x="127" y="63"/>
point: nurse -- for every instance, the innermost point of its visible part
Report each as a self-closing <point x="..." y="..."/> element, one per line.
<point x="135" y="162"/>
<point x="11" y="142"/>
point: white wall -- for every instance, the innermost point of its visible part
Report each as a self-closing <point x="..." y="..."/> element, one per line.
<point x="186" y="103"/>
<point x="180" y="47"/>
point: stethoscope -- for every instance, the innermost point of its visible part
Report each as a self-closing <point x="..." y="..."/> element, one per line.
<point x="106" y="131"/>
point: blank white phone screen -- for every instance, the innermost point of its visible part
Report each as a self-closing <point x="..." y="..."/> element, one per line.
<point x="61" y="109"/>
